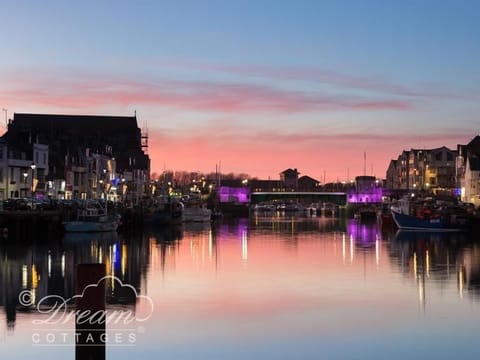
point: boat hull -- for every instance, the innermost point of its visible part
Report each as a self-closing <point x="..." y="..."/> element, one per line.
<point x="165" y="214"/>
<point x="197" y="215"/>
<point x="408" y="222"/>
<point x="90" y="226"/>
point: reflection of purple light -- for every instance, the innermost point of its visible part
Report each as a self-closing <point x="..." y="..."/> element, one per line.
<point x="232" y="231"/>
<point x="234" y="194"/>
<point x="242" y="229"/>
<point x="362" y="232"/>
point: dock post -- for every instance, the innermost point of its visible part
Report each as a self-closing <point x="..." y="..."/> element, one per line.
<point x="89" y="331"/>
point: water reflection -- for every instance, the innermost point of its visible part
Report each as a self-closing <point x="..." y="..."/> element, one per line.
<point x="439" y="259"/>
<point x="288" y="277"/>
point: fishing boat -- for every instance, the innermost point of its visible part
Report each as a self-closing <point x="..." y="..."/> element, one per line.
<point x="446" y="221"/>
<point x="196" y="213"/>
<point x="164" y="213"/>
<point x="92" y="219"/>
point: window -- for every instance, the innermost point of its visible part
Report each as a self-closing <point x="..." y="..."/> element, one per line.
<point x="45" y="158"/>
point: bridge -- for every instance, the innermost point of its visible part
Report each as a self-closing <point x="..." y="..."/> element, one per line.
<point x="338" y="198"/>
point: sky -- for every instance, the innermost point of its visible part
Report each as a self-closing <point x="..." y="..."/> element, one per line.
<point x="254" y="87"/>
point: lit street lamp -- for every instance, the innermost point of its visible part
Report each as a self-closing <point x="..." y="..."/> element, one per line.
<point x="33" y="166"/>
<point x="101" y="188"/>
<point x="25" y="175"/>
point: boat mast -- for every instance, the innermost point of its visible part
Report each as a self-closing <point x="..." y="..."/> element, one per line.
<point x="364" y="163"/>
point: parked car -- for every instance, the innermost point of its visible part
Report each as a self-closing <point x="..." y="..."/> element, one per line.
<point x="15" y="204"/>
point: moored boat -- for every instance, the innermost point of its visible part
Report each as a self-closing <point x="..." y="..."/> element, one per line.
<point x="164" y="213"/>
<point x="448" y="221"/>
<point x="196" y="213"/>
<point x="367" y="212"/>
<point x="93" y="219"/>
<point x="102" y="224"/>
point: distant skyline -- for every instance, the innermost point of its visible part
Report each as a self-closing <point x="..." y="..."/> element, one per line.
<point x="259" y="86"/>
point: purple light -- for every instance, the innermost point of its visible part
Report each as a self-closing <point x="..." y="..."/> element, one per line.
<point x="229" y="194"/>
<point x="366" y="191"/>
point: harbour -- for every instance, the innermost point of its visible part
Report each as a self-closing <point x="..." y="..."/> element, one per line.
<point x="283" y="285"/>
<point x="239" y="180"/>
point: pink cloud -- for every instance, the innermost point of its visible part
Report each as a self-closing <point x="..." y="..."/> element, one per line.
<point x="89" y="91"/>
<point x="316" y="75"/>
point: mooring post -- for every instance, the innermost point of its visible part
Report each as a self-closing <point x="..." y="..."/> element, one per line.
<point x="90" y="332"/>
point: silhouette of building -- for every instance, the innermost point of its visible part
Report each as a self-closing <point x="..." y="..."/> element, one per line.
<point x="307" y="183"/>
<point x="88" y="156"/>
<point x="289" y="178"/>
<point x="258" y="185"/>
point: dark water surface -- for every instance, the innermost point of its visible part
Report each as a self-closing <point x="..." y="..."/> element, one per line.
<point x="258" y="288"/>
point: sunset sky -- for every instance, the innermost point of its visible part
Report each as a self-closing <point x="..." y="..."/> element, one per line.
<point x="259" y="86"/>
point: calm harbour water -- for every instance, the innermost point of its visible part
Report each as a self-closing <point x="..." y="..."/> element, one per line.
<point x="260" y="288"/>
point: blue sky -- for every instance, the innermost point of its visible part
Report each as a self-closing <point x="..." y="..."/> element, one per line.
<point x="258" y="85"/>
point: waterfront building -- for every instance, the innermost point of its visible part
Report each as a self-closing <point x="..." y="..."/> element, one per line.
<point x="234" y="192"/>
<point x="392" y="180"/>
<point x="430" y="170"/>
<point x="87" y="156"/>
<point x="289" y="178"/>
<point x="23" y="169"/>
<point x="367" y="190"/>
<point x="257" y="185"/>
<point x="471" y="190"/>
<point x="467" y="171"/>
<point x="307" y="183"/>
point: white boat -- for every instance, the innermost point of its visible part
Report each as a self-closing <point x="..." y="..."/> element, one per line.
<point x="92" y="219"/>
<point x="264" y="208"/>
<point x="196" y="213"/>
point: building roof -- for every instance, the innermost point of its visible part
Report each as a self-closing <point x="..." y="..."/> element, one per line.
<point x="307" y="178"/>
<point x="441" y="149"/>
<point x="92" y="130"/>
<point x="72" y="134"/>
<point x="392" y="164"/>
<point x="475" y="142"/>
<point x="474" y="163"/>
<point x="365" y="178"/>
<point x="290" y="171"/>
